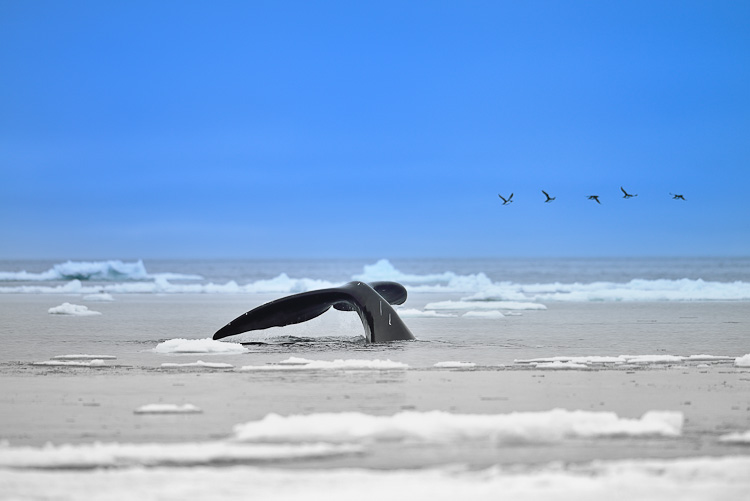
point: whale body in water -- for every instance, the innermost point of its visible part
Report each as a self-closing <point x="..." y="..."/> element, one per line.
<point x="372" y="302"/>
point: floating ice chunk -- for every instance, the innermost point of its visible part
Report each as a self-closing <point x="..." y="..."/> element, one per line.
<point x="736" y="438"/>
<point x="206" y="345"/>
<point x="114" y="455"/>
<point x="84" y="357"/>
<point x="199" y="363"/>
<point x="575" y="360"/>
<point x="653" y="359"/>
<point x="294" y="363"/>
<point x="557" y="365"/>
<point x="442" y="427"/>
<point x="686" y="479"/>
<point x="743" y="361"/>
<point x="167" y="409"/>
<point x="484" y="305"/>
<point x="78" y="310"/>
<point x="72" y="363"/>
<point x="454" y="365"/>
<point x="623" y="359"/>
<point x="707" y="358"/>
<point x="492" y="314"/>
<point x="102" y="297"/>
<point x="414" y="313"/>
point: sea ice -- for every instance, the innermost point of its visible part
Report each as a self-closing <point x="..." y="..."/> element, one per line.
<point x="295" y="363"/>
<point x="492" y="314"/>
<point x="743" y="361"/>
<point x="116" y="455"/>
<point x="78" y="310"/>
<point x="442" y="427"/>
<point x="84" y="357"/>
<point x="736" y="438"/>
<point x="72" y="363"/>
<point x="102" y="296"/>
<point x="199" y="363"/>
<point x="206" y="345"/>
<point x="167" y="409"/>
<point x="686" y="479"/>
<point x="454" y="365"/>
<point x="414" y="313"/>
<point x="484" y="305"/>
<point x="557" y="365"/>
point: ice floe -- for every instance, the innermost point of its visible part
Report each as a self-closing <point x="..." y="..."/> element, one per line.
<point x="624" y="359"/>
<point x="483" y="305"/>
<point x="206" y="345"/>
<point x="736" y="438"/>
<point x="743" y="361"/>
<point x="454" y="365"/>
<point x="73" y="363"/>
<point x="199" y="363"/>
<point x="83" y="357"/>
<point x="116" y="455"/>
<point x="295" y="363"/>
<point x="414" y="313"/>
<point x="168" y="409"/>
<point x="113" y="270"/>
<point x="127" y="278"/>
<point x="491" y="314"/>
<point x="100" y="297"/>
<point x="442" y="427"/>
<point x="558" y="365"/>
<point x="686" y="479"/>
<point x="77" y="310"/>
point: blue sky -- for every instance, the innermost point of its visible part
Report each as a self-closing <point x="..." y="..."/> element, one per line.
<point x="373" y="129"/>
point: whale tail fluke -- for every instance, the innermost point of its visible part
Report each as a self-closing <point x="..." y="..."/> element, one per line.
<point x="372" y="303"/>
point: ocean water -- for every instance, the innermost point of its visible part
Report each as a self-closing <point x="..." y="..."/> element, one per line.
<point x="578" y="378"/>
<point x="484" y="311"/>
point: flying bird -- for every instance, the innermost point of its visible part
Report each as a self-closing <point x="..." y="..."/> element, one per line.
<point x="506" y="201"/>
<point x="677" y="197"/>
<point x="595" y="198"/>
<point x="626" y="194"/>
<point x="549" y="198"/>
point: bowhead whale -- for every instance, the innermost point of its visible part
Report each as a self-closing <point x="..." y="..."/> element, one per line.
<point x="371" y="302"/>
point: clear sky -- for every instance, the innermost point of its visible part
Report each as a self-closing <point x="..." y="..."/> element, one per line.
<point x="145" y="129"/>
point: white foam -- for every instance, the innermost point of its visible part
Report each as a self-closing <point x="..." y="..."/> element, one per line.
<point x="414" y="313"/>
<point x="454" y="365"/>
<point x="490" y="315"/>
<point x="72" y="363"/>
<point x="167" y="409"/>
<point x="483" y="305"/>
<point x="115" y="455"/>
<point x="442" y="427"/>
<point x="736" y="438"/>
<point x="77" y="310"/>
<point x="206" y="345"/>
<point x="295" y="363"/>
<point x="743" y="361"/>
<point x="199" y="363"/>
<point x="83" y="357"/>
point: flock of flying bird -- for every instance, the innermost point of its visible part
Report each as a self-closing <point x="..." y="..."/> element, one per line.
<point x="595" y="198"/>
